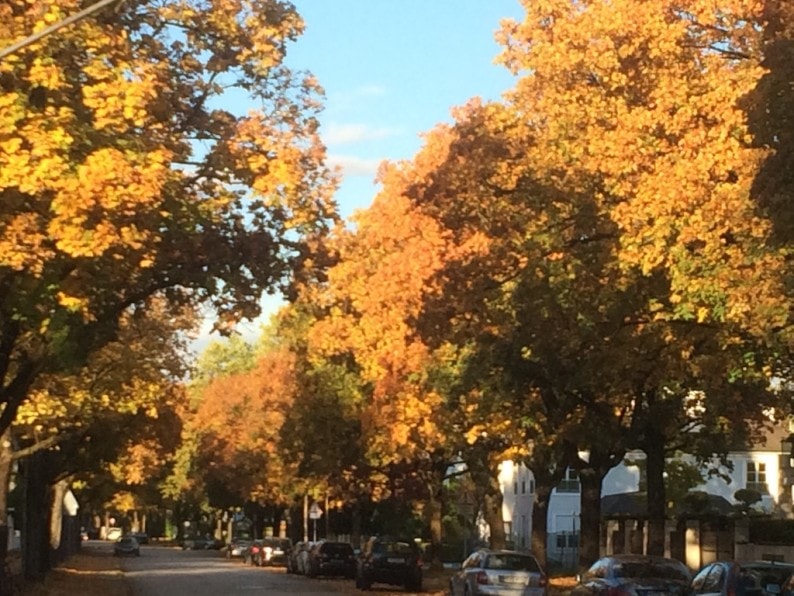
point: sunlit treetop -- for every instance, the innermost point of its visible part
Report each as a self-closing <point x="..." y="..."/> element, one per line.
<point x="644" y="104"/>
<point x="123" y="173"/>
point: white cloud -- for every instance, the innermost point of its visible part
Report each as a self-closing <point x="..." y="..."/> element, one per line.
<point x="372" y="90"/>
<point x="339" y="134"/>
<point x="351" y="99"/>
<point x="355" y="166"/>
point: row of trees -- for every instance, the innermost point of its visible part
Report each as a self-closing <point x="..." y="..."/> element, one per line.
<point x="595" y="264"/>
<point x="132" y="202"/>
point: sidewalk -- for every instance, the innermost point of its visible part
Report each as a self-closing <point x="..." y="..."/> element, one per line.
<point x="91" y="572"/>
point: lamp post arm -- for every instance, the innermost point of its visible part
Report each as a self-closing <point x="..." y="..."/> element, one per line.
<point x="7" y="51"/>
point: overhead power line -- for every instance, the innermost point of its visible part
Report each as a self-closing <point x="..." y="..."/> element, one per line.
<point x="55" y="27"/>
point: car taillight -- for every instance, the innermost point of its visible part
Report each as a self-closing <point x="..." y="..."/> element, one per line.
<point x="482" y="578"/>
<point x="542" y="581"/>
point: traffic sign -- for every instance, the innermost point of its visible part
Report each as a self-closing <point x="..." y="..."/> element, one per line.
<point x="315" y="512"/>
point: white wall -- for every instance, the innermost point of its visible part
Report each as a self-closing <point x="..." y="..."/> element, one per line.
<point x="564" y="507"/>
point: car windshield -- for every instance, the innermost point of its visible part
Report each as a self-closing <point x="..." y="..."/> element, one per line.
<point x="282" y="543"/>
<point x="512" y="562"/>
<point x="650" y="569"/>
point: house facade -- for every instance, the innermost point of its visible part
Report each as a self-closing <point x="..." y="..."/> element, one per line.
<point x="766" y="468"/>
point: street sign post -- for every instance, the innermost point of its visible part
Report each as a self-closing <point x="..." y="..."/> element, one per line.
<point x="315" y="513"/>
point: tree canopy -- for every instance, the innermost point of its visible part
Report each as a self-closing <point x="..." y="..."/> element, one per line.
<point x="123" y="177"/>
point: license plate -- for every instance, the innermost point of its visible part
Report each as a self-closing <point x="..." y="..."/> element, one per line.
<point x="512" y="579"/>
<point x="395" y="560"/>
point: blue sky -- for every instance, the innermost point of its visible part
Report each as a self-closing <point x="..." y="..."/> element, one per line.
<point x="391" y="70"/>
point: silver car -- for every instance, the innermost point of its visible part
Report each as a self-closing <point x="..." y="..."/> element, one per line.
<point x="499" y="573"/>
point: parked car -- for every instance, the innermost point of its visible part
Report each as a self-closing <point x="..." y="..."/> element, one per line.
<point x="252" y="555"/>
<point x="774" y="577"/>
<point x="634" y="574"/>
<point x="733" y="578"/>
<point x="126" y="545"/>
<point x="275" y="552"/>
<point x="499" y="573"/>
<point x="205" y="542"/>
<point x="141" y="537"/>
<point x="237" y="547"/>
<point x="388" y="560"/>
<point x="332" y="558"/>
<point x="297" y="557"/>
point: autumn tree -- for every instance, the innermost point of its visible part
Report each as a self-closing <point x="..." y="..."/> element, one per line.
<point x="653" y="111"/>
<point x="652" y="117"/>
<point x="321" y="438"/>
<point x="236" y="427"/>
<point x="557" y="335"/>
<point x="124" y="178"/>
<point x="371" y="300"/>
<point x="111" y="423"/>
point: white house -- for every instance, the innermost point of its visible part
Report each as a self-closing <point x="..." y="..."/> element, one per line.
<point x="766" y="468"/>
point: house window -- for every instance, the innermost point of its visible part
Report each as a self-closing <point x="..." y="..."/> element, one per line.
<point x="523" y="487"/>
<point x="756" y="477"/>
<point x="531" y="486"/>
<point x="515" y="487"/>
<point x="567" y="540"/>
<point x="570" y="483"/>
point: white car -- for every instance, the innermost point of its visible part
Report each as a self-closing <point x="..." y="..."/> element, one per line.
<point x="114" y="534"/>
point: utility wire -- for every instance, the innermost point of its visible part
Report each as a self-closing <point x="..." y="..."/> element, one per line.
<point x="54" y="27"/>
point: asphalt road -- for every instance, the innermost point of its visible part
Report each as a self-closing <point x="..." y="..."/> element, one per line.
<point x="161" y="571"/>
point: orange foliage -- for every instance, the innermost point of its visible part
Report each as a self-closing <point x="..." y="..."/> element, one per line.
<point x="644" y="103"/>
<point x="240" y="418"/>
<point x="119" y="180"/>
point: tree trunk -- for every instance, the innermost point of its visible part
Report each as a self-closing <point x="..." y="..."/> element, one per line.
<point x="435" y="514"/>
<point x="35" y="539"/>
<point x="590" y="528"/>
<point x="305" y="518"/>
<point x="355" y="536"/>
<point x="657" y="500"/>
<point x="492" y="504"/>
<point x="56" y="513"/>
<point x="6" y="453"/>
<point x="327" y="519"/>
<point x="540" y="522"/>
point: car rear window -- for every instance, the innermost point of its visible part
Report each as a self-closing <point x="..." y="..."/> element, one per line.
<point x="282" y="543"/>
<point x="648" y="569"/>
<point x="337" y="548"/>
<point x="512" y="562"/>
<point x="769" y="575"/>
<point x="394" y="548"/>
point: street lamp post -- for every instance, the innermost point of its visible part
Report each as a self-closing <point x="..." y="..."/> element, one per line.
<point x="31" y="39"/>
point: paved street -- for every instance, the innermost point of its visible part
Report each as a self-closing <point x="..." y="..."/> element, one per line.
<point x="170" y="571"/>
<point x="174" y="572"/>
